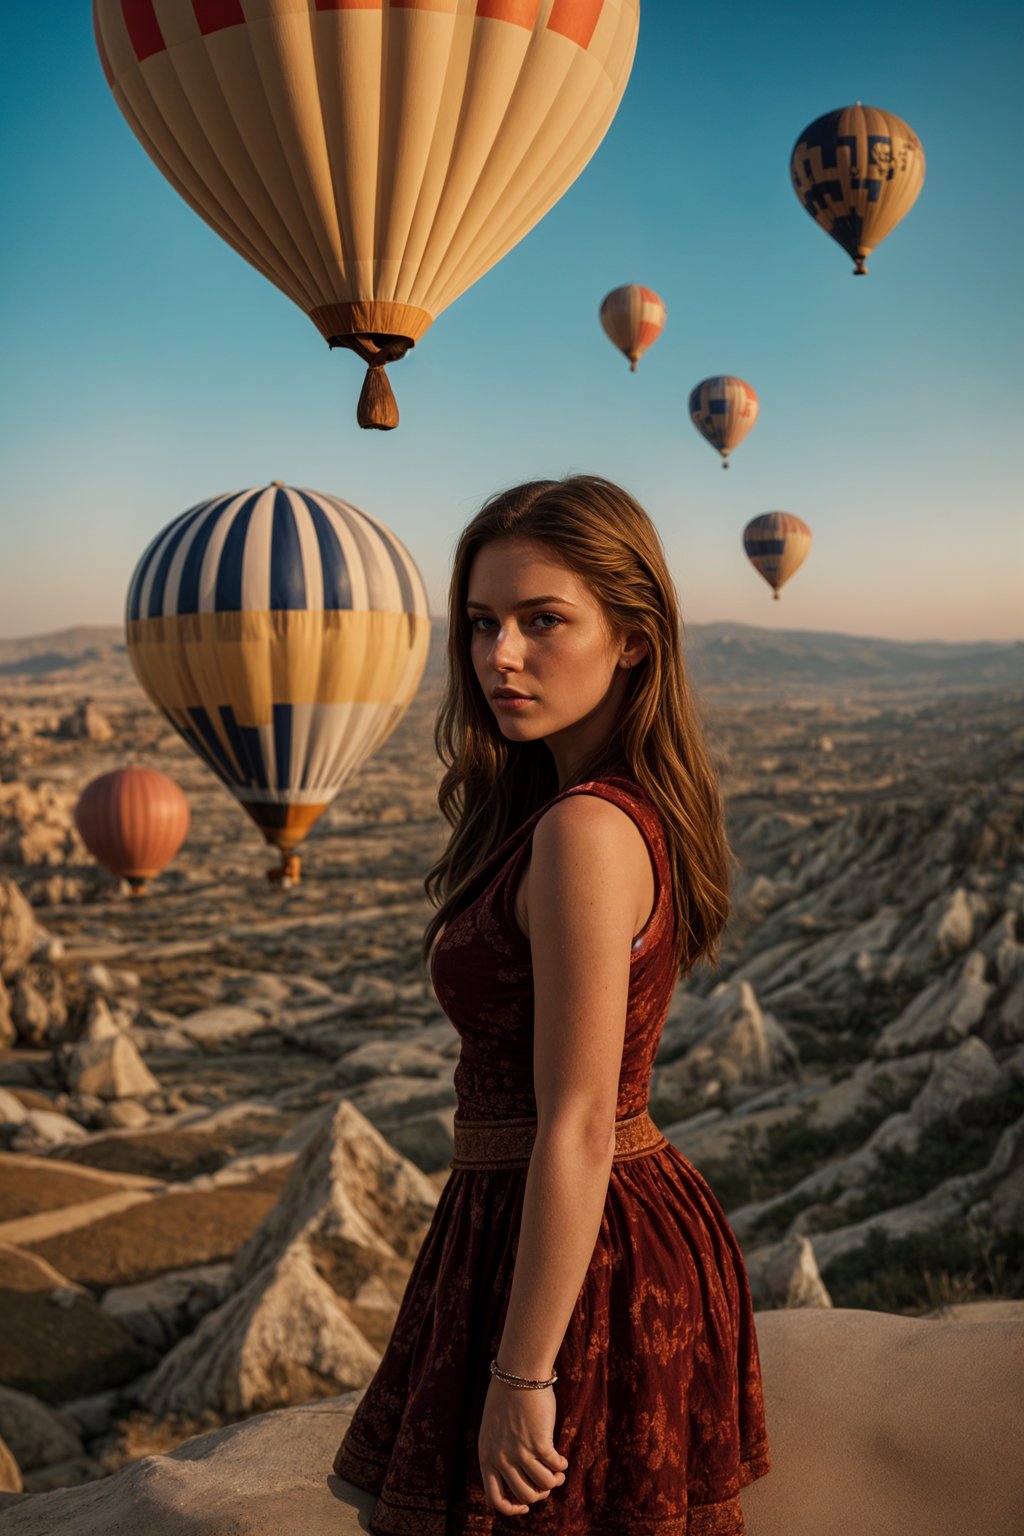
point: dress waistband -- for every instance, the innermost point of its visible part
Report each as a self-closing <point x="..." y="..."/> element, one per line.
<point x="508" y="1143"/>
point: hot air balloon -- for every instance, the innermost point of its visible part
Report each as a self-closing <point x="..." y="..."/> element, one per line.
<point x="372" y="158"/>
<point x="723" y="410"/>
<point x="777" y="544"/>
<point x="133" y="821"/>
<point x="857" y="171"/>
<point x="633" y="318"/>
<point x="283" y="633"/>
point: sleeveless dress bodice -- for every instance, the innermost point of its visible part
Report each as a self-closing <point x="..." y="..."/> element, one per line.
<point x="483" y="978"/>
<point x="659" y="1405"/>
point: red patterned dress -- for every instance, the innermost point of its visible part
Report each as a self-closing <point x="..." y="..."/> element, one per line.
<point x="659" y="1407"/>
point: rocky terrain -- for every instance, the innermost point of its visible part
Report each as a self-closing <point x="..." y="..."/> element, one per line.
<point x="226" y="1106"/>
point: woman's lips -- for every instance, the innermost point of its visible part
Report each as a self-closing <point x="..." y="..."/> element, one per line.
<point x="510" y="704"/>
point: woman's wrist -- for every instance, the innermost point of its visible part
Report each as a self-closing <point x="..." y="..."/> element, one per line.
<point x="522" y="1365"/>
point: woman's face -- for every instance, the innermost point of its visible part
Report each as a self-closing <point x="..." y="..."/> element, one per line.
<point x="538" y="632"/>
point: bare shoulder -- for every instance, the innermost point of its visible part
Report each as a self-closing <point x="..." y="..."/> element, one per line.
<point x="591" y="853"/>
<point x="587" y="826"/>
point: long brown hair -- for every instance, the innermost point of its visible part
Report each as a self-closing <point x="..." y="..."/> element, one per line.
<point x="492" y="785"/>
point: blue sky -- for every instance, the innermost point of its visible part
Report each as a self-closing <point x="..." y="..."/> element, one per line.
<point x="147" y="366"/>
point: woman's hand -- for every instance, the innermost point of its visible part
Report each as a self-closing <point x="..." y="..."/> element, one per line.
<point x="516" y="1446"/>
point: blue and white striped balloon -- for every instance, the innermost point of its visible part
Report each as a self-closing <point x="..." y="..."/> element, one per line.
<point x="283" y="633"/>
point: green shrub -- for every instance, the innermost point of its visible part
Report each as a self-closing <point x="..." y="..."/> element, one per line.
<point x="903" y="1177"/>
<point x="925" y="1270"/>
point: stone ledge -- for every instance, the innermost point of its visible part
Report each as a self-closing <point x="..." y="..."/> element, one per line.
<point x="876" y="1423"/>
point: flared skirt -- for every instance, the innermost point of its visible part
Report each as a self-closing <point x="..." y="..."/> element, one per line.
<point x="659" y="1405"/>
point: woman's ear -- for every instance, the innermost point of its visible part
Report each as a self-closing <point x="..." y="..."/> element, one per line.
<point x="634" y="650"/>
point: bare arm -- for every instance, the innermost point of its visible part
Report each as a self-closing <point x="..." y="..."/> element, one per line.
<point x="590" y="889"/>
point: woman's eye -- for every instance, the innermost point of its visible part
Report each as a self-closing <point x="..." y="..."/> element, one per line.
<point x="477" y="620"/>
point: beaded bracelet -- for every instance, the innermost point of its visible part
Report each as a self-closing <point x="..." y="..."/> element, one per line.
<point x="518" y="1381"/>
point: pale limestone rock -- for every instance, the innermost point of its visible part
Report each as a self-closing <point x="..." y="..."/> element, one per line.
<point x="427" y="1140"/>
<point x="869" y="1086"/>
<point x="45" y="1128"/>
<point x="159" y="1312"/>
<point x="955" y="928"/>
<point x="786" y="1275"/>
<point x="17" y="930"/>
<point x="211" y="1026"/>
<point x="12" y="1110"/>
<point x="957" y="1077"/>
<point x="964" y="1074"/>
<point x="352" y="1192"/>
<point x="10" y="1472"/>
<point x="8" y="1033"/>
<point x="941" y="1209"/>
<point x="285" y="1335"/>
<point x="111" y="980"/>
<point x="353" y="1211"/>
<point x="36" y="825"/>
<point x="30" y="1012"/>
<point x="388" y="1102"/>
<point x="86" y="723"/>
<point x="37" y="1434"/>
<point x="402" y="1058"/>
<point x="64" y="1474"/>
<point x="866" y="1413"/>
<point x="111" y="1068"/>
<point x="100" y="1022"/>
<point x="944" y="1012"/>
<point x="737" y="1043"/>
<point x="1009" y="1025"/>
<point x="124" y="1114"/>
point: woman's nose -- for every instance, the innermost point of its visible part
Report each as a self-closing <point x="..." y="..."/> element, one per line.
<point x="507" y="649"/>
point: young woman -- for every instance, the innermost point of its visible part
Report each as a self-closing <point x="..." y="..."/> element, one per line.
<point x="573" y="1244"/>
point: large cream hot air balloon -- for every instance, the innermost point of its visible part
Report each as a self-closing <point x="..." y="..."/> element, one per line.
<point x="777" y="544"/>
<point x="283" y="633"/>
<point x="633" y="318"/>
<point x="372" y="158"/>
<point x="857" y="171"/>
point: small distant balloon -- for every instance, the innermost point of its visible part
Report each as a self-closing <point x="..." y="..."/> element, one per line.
<point x="133" y="821"/>
<point x="777" y="544"/>
<point x="723" y="409"/>
<point x="283" y="632"/>
<point x="857" y="171"/>
<point x="633" y="318"/>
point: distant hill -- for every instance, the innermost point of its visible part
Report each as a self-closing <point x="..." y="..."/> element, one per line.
<point x="742" y="655"/>
<point x="733" y="656"/>
<point x="63" y="650"/>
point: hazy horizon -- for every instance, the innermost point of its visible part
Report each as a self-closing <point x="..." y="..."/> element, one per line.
<point x="692" y="624"/>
